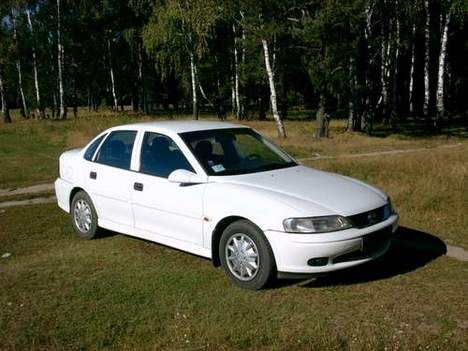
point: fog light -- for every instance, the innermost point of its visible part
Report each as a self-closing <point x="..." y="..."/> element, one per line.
<point x="318" y="261"/>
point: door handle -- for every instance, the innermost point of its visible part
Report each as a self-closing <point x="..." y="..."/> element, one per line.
<point x="93" y="175"/>
<point x="138" y="186"/>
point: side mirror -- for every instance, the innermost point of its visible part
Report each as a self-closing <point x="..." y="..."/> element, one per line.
<point x="182" y="176"/>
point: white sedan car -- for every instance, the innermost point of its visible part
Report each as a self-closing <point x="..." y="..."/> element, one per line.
<point x="224" y="192"/>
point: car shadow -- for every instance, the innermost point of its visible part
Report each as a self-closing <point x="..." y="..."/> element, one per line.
<point x="410" y="250"/>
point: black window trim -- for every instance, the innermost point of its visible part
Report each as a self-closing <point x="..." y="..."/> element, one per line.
<point x="144" y="132"/>
<point x="104" y="140"/>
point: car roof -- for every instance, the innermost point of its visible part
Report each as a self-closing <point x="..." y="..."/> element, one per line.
<point x="171" y="127"/>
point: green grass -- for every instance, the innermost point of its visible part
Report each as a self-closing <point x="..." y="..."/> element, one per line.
<point x="60" y="292"/>
<point x="117" y="292"/>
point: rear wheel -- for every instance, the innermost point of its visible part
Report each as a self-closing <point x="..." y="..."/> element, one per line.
<point x="83" y="216"/>
<point x="246" y="255"/>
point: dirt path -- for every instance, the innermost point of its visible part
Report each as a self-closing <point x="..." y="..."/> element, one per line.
<point x="381" y="153"/>
<point x="35" y="201"/>
<point x="39" y="188"/>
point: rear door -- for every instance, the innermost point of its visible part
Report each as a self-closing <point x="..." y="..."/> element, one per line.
<point x="109" y="181"/>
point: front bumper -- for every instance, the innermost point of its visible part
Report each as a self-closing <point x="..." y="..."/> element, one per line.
<point x="343" y="249"/>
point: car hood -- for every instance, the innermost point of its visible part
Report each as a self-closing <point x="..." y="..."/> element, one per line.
<point x="305" y="188"/>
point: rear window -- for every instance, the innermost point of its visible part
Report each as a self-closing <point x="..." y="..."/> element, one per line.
<point x="91" y="150"/>
<point x="116" y="151"/>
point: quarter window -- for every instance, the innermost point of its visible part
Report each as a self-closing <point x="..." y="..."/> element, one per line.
<point x="160" y="156"/>
<point x="116" y="151"/>
<point x="91" y="150"/>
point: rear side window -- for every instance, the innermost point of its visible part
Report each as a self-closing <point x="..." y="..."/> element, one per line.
<point x="160" y="156"/>
<point x="116" y="151"/>
<point x="90" y="151"/>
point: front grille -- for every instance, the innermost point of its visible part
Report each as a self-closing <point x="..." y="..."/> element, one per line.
<point x="371" y="243"/>
<point x="366" y="219"/>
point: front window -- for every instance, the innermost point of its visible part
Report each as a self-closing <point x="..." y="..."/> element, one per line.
<point x="235" y="151"/>
<point x="160" y="156"/>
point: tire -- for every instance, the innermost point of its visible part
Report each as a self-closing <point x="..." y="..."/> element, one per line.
<point x="86" y="225"/>
<point x="239" y="265"/>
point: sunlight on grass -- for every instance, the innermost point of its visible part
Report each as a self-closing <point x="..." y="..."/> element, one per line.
<point x="59" y="292"/>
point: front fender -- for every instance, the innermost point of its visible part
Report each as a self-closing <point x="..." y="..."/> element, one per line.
<point x="266" y="209"/>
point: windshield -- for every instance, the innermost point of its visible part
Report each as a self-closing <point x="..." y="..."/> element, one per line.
<point x="235" y="151"/>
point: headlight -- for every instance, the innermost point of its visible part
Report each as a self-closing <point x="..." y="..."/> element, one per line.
<point x="316" y="224"/>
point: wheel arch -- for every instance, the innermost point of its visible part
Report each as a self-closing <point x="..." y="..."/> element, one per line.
<point x="216" y="236"/>
<point x="73" y="192"/>
<point x="218" y="232"/>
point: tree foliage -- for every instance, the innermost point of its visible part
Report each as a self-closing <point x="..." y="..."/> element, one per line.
<point x="372" y="61"/>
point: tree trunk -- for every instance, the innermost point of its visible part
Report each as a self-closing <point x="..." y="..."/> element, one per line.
<point x="384" y="71"/>
<point x="411" y="84"/>
<point x="5" y="110"/>
<point x="60" y="58"/>
<point x="236" y="76"/>
<point x="271" y="81"/>
<point x="111" y="71"/>
<point x="351" y="107"/>
<point x="426" y="58"/>
<point x="233" y="94"/>
<point x="39" y="109"/>
<point x="202" y="91"/>
<point x="441" y="73"/>
<point x="24" y="107"/>
<point x="395" y="68"/>
<point x="193" y="75"/>
<point x="321" y="130"/>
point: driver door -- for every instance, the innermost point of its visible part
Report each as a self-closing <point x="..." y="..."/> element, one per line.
<point x="163" y="211"/>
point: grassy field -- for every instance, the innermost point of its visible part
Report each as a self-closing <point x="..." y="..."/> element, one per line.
<point x="59" y="292"/>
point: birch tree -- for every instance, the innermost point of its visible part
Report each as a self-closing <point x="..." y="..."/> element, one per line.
<point x="271" y="83"/>
<point x="60" y="63"/>
<point x="24" y="107"/>
<point x="112" y="77"/>
<point x="236" y="95"/>
<point x="426" y="56"/>
<point x="39" y="108"/>
<point x="441" y="74"/>
<point x="181" y="29"/>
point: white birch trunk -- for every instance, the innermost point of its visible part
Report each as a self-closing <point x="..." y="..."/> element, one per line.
<point x="60" y="58"/>
<point x="411" y="84"/>
<point x="351" y="96"/>
<point x="273" y="64"/>
<point x="236" y="75"/>
<point x="111" y="71"/>
<point x="441" y="73"/>
<point x="202" y="91"/>
<point x="426" y="58"/>
<point x="39" y="113"/>
<point x="383" y="72"/>
<point x="193" y="75"/>
<point x="395" y="62"/>
<point x="271" y="81"/>
<point x="243" y="40"/>
<point x="233" y="95"/>
<point x="18" y="66"/>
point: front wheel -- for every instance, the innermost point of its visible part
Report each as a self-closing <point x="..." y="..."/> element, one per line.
<point x="83" y="216"/>
<point x="246" y="255"/>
